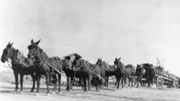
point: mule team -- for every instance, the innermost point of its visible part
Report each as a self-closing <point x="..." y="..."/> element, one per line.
<point x="38" y="63"/>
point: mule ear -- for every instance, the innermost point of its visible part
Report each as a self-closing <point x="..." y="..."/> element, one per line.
<point x="8" y="44"/>
<point x="38" y="42"/>
<point x="11" y="44"/>
<point x="119" y="58"/>
<point x="32" y="42"/>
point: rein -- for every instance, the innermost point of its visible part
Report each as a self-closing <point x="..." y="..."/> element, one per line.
<point x="8" y="62"/>
<point x="19" y="60"/>
<point x="78" y="69"/>
<point x="96" y="75"/>
<point x="45" y="61"/>
<point x="80" y="66"/>
<point x="16" y="60"/>
<point x="55" y="68"/>
<point x="65" y="64"/>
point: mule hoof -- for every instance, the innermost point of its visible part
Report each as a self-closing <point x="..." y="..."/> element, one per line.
<point x="37" y="94"/>
<point x="15" y="92"/>
<point x="31" y="91"/>
<point x="47" y="94"/>
<point x="20" y="92"/>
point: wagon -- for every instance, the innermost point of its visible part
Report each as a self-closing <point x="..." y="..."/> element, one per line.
<point x="163" y="77"/>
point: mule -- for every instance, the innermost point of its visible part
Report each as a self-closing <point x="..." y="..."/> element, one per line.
<point x="139" y="75"/>
<point x="113" y="70"/>
<point x="149" y="74"/>
<point x="99" y="75"/>
<point x="49" y="67"/>
<point x="20" y="65"/>
<point x="78" y="68"/>
<point x="118" y="71"/>
<point x="83" y="68"/>
<point x="70" y="73"/>
<point x="130" y="73"/>
<point x="109" y="70"/>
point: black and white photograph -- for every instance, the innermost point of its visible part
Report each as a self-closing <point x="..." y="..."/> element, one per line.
<point x="90" y="50"/>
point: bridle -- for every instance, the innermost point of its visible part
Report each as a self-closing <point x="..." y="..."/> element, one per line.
<point x="8" y="53"/>
<point x="34" y="55"/>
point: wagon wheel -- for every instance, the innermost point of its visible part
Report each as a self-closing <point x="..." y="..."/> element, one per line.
<point x="159" y="82"/>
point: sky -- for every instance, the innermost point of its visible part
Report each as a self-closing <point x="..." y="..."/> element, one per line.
<point x="137" y="31"/>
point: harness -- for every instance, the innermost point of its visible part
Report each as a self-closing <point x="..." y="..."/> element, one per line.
<point x="78" y="69"/>
<point x="54" y="68"/>
<point x="18" y="59"/>
<point x="96" y="74"/>
<point x="45" y="60"/>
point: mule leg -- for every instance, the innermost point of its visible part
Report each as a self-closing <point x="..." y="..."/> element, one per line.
<point x="33" y="77"/>
<point x="115" y="83"/>
<point x="21" y="81"/>
<point x="122" y="81"/>
<point x="80" y="81"/>
<point x="133" y="82"/>
<point x="137" y="82"/>
<point x="131" y="85"/>
<point x="140" y="81"/>
<point x="125" y="81"/>
<point x="67" y="87"/>
<point x="107" y="81"/>
<point x="100" y="86"/>
<point x="59" y="81"/>
<point x="38" y="82"/>
<point x="117" y="80"/>
<point x="148" y="81"/>
<point x="47" y="82"/>
<point x="96" y="83"/>
<point x="72" y="82"/>
<point x="151" y="82"/>
<point x="96" y="87"/>
<point x="85" y="84"/>
<point x="129" y="81"/>
<point x="16" y="81"/>
<point x="89" y="83"/>
<point x="55" y="83"/>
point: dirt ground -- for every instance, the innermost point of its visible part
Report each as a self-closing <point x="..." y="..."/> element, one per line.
<point x="77" y="94"/>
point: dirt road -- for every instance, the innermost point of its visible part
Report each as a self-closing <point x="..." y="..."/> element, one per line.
<point x="77" y="94"/>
